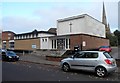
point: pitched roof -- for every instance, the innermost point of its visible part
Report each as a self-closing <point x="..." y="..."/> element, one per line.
<point x="35" y="32"/>
<point x="52" y="30"/>
<point x="8" y="32"/>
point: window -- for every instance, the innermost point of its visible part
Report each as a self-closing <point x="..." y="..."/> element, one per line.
<point x="79" y="55"/>
<point x="86" y="55"/>
<point x="90" y="55"/>
<point x="66" y="43"/>
<point x="8" y="38"/>
<point x="69" y="43"/>
<point x="52" y="43"/>
<point x="11" y="45"/>
<point x="107" y="55"/>
<point x="4" y="45"/>
<point x="9" y="34"/>
<point x="45" y="40"/>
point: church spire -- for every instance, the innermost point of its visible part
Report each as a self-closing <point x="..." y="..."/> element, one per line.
<point x="104" y="19"/>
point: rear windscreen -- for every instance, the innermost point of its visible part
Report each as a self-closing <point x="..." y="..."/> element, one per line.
<point x="107" y="55"/>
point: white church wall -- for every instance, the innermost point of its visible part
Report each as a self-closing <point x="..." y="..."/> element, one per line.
<point x="45" y="43"/>
<point x="85" y="25"/>
<point x="94" y="27"/>
<point x="63" y="28"/>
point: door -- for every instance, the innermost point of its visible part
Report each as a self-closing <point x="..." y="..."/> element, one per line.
<point x="85" y="61"/>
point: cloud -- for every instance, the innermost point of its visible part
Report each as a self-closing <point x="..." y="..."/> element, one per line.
<point x="20" y="24"/>
<point x="47" y="17"/>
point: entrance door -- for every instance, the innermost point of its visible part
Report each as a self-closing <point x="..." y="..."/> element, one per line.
<point x="61" y="44"/>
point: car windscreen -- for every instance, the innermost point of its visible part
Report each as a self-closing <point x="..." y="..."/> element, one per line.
<point x="104" y="47"/>
<point x="107" y="55"/>
<point x="10" y="53"/>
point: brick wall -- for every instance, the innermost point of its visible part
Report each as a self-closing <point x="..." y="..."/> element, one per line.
<point x="7" y="36"/>
<point x="27" y="44"/>
<point x="91" y="42"/>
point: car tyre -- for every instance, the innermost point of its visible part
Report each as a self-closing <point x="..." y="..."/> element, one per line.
<point x="66" y="67"/>
<point x="101" y="71"/>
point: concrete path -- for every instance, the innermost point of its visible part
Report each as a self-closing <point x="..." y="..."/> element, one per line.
<point x="38" y="59"/>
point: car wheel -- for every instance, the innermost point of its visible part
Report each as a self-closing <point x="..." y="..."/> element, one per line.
<point x="66" y="67"/>
<point x="101" y="71"/>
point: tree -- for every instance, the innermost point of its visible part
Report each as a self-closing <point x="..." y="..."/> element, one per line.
<point x="113" y="39"/>
<point x="117" y="34"/>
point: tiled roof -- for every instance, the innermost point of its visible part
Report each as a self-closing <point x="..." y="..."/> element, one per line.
<point x="36" y="32"/>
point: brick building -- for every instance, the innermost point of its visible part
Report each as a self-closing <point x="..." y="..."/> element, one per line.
<point x="33" y="40"/>
<point x="82" y="30"/>
<point x="8" y="39"/>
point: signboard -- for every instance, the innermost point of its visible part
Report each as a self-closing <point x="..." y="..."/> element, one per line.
<point x="84" y="43"/>
<point x="33" y="46"/>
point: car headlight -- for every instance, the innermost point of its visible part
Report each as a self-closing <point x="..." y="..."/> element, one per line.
<point x="9" y="56"/>
<point x="17" y="56"/>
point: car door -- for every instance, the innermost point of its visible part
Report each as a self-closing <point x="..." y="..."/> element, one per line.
<point x="85" y="61"/>
<point x="76" y="62"/>
<point x="89" y="61"/>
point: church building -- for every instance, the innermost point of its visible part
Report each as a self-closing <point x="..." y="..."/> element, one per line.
<point x="81" y="30"/>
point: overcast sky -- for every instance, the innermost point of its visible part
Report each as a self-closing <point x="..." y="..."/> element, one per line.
<point x="25" y="16"/>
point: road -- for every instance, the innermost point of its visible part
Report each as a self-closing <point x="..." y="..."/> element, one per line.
<point x="115" y="52"/>
<point x="24" y="71"/>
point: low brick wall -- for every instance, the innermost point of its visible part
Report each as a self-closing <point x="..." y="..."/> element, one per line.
<point x="53" y="58"/>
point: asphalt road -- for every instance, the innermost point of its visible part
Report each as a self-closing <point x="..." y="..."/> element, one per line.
<point x="115" y="52"/>
<point x="24" y="71"/>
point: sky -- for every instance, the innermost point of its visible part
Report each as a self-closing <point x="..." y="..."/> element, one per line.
<point x="25" y="16"/>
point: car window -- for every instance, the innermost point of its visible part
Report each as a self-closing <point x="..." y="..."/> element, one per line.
<point x="87" y="55"/>
<point x="79" y="55"/>
<point x="10" y="53"/>
<point x="105" y="47"/>
<point x="107" y="55"/>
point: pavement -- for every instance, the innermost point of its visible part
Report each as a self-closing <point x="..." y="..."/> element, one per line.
<point x="42" y="60"/>
<point x="38" y="59"/>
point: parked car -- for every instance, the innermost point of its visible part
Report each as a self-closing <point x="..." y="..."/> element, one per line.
<point x="2" y="50"/>
<point x="105" y="48"/>
<point x="99" y="62"/>
<point x="10" y="56"/>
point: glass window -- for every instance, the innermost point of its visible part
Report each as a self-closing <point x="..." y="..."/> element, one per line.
<point x="43" y="40"/>
<point x="79" y="55"/>
<point x="9" y="34"/>
<point x="87" y="55"/>
<point x="4" y="45"/>
<point x="69" y="43"/>
<point x="11" y="44"/>
<point x="91" y="55"/>
<point x="66" y="43"/>
<point x="52" y="43"/>
<point x="107" y="55"/>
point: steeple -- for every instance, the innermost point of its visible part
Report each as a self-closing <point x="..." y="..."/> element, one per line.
<point x="104" y="20"/>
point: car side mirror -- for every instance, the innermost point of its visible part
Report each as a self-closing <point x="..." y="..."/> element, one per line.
<point x="72" y="57"/>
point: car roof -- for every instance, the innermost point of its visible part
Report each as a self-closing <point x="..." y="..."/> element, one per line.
<point x="92" y="51"/>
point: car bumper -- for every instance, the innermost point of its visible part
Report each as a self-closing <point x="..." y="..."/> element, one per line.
<point x="13" y="59"/>
<point x="111" y="69"/>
